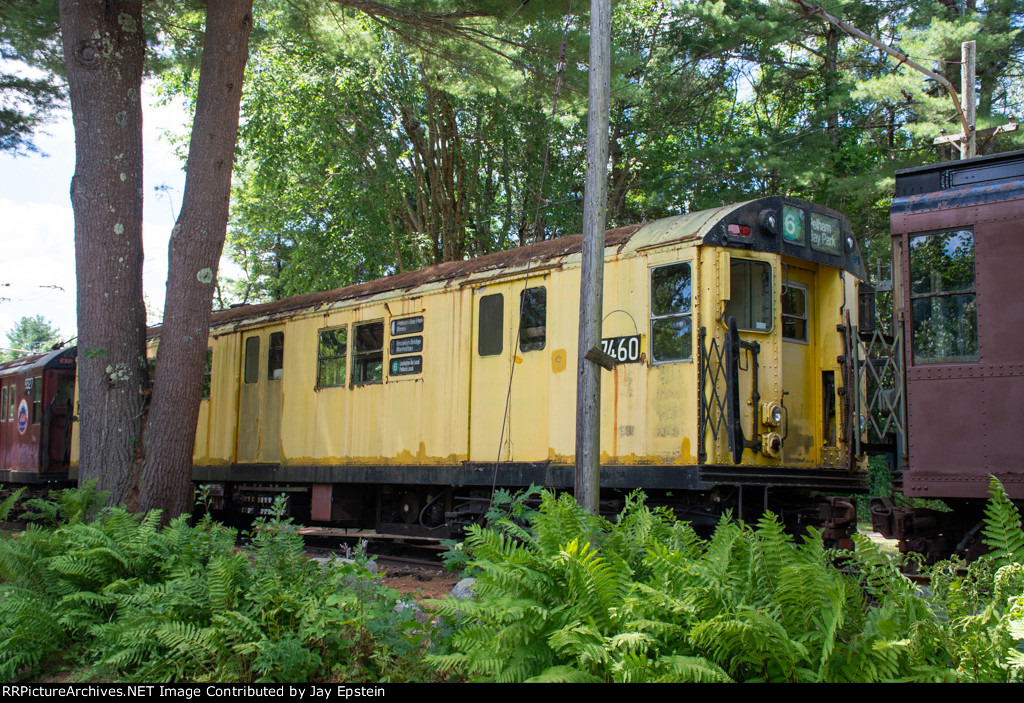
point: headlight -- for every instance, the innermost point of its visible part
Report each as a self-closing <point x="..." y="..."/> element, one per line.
<point x="771" y="414"/>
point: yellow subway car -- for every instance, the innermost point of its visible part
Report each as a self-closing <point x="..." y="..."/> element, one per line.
<point x="399" y="404"/>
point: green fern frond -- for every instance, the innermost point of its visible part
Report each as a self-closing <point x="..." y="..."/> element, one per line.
<point x="1002" y="530"/>
<point x="592" y="582"/>
<point x="683" y="669"/>
<point x="749" y="644"/>
<point x="564" y="673"/>
<point x="9" y="502"/>
<point x="631" y="642"/>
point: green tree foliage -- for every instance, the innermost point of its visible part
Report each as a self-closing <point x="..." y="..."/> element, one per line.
<point x="31" y="335"/>
<point x="367" y="151"/>
<point x="27" y="100"/>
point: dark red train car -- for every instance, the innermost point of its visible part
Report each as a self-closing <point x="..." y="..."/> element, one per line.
<point x="36" y="412"/>
<point x="958" y="291"/>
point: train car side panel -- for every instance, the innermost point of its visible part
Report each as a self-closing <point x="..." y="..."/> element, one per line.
<point x="962" y="299"/>
<point x="625" y="391"/>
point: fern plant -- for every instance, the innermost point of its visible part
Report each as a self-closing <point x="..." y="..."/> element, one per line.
<point x="1002" y="532"/>
<point x="577" y="598"/>
<point x="137" y="603"/>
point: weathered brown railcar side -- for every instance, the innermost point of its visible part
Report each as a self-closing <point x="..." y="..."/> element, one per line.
<point x="965" y="398"/>
<point x="958" y="297"/>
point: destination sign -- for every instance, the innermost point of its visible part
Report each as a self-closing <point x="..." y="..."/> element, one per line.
<point x="625" y="350"/>
<point x="406" y="365"/>
<point x="825" y="235"/>
<point x="406" y="345"/>
<point x="407" y="325"/>
<point x="793" y="224"/>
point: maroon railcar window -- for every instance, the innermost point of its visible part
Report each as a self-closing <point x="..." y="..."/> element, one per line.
<point x="942" y="297"/>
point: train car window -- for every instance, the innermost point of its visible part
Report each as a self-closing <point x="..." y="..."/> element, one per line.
<point x="750" y="300"/>
<point x="942" y="297"/>
<point x="533" y="315"/>
<point x="368" y="353"/>
<point x="65" y="390"/>
<point x="331" y="356"/>
<point x="207" y="374"/>
<point x="492" y="314"/>
<point x="275" y="357"/>
<point x="671" y="315"/>
<point x="13" y="407"/>
<point x="3" y="404"/>
<point x="252" y="359"/>
<point x="37" y="400"/>
<point x="794" y="313"/>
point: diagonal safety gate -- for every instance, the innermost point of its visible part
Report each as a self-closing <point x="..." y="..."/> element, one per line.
<point x="719" y="399"/>
<point x="712" y="413"/>
<point x="880" y="400"/>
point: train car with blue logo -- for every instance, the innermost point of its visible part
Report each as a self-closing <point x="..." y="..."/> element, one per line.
<point x="36" y="415"/>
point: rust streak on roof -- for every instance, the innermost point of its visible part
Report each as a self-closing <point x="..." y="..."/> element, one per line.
<point x="447" y="271"/>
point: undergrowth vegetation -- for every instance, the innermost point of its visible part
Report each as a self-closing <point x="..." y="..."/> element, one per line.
<point x="114" y="597"/>
<point x="573" y="597"/>
<point x="561" y="595"/>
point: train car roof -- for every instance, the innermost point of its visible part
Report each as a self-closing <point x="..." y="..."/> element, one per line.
<point x="47" y="360"/>
<point x="977" y="181"/>
<point x="704" y="226"/>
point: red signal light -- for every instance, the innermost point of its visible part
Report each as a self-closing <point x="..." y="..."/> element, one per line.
<point x="739" y="230"/>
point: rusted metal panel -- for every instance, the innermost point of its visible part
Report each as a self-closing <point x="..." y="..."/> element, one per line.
<point x="320" y="509"/>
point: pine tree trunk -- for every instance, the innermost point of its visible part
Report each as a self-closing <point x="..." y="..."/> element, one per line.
<point x="104" y="46"/>
<point x="194" y="252"/>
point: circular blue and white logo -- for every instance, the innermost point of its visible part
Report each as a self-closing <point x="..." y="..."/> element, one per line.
<point x="22" y="416"/>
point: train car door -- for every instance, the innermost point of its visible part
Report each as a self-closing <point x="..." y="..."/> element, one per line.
<point x="798" y="365"/>
<point x="509" y="386"/>
<point x="260" y="397"/>
<point x="59" y="387"/>
<point x="5" y="391"/>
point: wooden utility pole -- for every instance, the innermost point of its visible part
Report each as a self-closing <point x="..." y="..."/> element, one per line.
<point x="595" y="199"/>
<point x="967" y="141"/>
<point x="968" y="100"/>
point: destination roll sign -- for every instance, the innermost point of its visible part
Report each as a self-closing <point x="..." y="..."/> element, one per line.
<point x="406" y="340"/>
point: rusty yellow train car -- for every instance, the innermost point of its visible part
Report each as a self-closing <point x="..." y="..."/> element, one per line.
<point x="399" y="404"/>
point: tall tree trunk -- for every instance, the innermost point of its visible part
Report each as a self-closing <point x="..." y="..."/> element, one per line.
<point x="104" y="47"/>
<point x="194" y="252"/>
